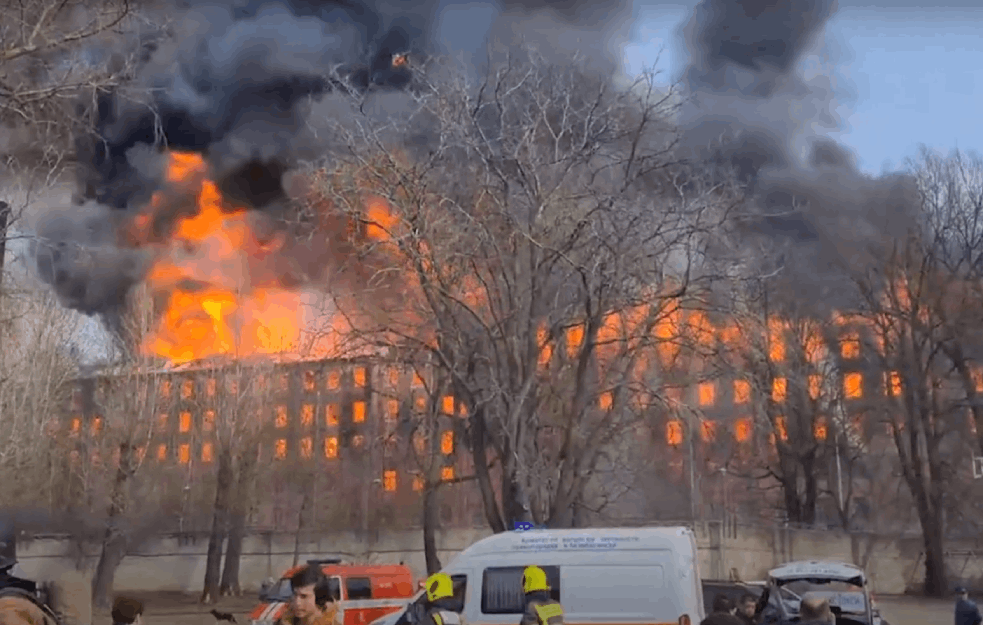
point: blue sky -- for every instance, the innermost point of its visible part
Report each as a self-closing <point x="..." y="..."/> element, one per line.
<point x="905" y="75"/>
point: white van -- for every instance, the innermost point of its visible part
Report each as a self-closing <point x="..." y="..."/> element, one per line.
<point x="629" y="575"/>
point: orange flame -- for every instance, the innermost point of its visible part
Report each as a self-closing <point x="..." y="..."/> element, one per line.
<point x="203" y="273"/>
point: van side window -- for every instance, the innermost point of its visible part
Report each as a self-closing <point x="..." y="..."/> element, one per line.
<point x="460" y="592"/>
<point x="501" y="589"/>
<point x="334" y="588"/>
<point x="358" y="588"/>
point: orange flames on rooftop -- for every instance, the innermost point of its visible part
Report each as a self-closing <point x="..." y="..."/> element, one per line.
<point x="206" y="278"/>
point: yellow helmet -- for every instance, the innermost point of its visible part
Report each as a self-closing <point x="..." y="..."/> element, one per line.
<point x="534" y="579"/>
<point x="439" y="586"/>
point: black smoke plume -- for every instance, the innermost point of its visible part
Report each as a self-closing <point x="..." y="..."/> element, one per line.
<point x="230" y="79"/>
<point x="745" y="77"/>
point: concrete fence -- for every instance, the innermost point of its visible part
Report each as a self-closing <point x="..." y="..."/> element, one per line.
<point x="726" y="551"/>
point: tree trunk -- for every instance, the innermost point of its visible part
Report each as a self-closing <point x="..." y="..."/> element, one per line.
<point x="233" y="556"/>
<point x="301" y="525"/>
<point x="430" y="521"/>
<point x="213" y="562"/>
<point x="237" y="527"/>
<point x="4" y="223"/>
<point x="479" y="453"/>
<point x="936" y="582"/>
<point x="114" y="539"/>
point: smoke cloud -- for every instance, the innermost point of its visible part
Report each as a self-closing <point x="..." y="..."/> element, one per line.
<point x="752" y="107"/>
<point x="231" y="80"/>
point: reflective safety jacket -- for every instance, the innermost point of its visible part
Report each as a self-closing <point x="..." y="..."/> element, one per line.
<point x="437" y="616"/>
<point x="543" y="611"/>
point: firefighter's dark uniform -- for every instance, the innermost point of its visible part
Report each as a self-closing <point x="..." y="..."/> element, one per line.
<point x="541" y="609"/>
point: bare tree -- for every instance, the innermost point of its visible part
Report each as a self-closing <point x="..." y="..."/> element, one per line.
<point x="535" y="249"/>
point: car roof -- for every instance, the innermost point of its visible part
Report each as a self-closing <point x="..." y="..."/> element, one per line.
<point x="581" y="540"/>
<point x="818" y="569"/>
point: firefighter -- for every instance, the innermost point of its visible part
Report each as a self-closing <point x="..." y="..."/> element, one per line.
<point x="541" y="609"/>
<point x="440" y="608"/>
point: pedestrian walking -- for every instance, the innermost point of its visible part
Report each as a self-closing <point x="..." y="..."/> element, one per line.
<point x="967" y="612"/>
<point x="746" y="608"/>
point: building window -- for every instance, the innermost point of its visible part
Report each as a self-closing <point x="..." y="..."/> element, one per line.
<point x="76" y="426"/>
<point x="393" y="377"/>
<point x="211" y="387"/>
<point x="850" y="345"/>
<point x="310" y="381"/>
<point x="206" y="452"/>
<point x="331" y="413"/>
<point x="742" y="391"/>
<point x="447" y="443"/>
<point x="233" y="386"/>
<point x="96" y="426"/>
<point x="331" y="447"/>
<point x="208" y="423"/>
<point x="815" y="386"/>
<point x="392" y="410"/>
<point x="707" y="393"/>
<point x="605" y="401"/>
<point x="674" y="432"/>
<point x="162" y="422"/>
<point x="708" y="430"/>
<point x="781" y="427"/>
<point x="419" y="443"/>
<point x="853" y="385"/>
<point x="165" y="388"/>
<point x="184" y="453"/>
<point x="306" y="447"/>
<point x="776" y="341"/>
<point x="281" y="448"/>
<point x="358" y="441"/>
<point x="358" y="412"/>
<point x="819" y="429"/>
<point x="779" y="388"/>
<point x="448" y="404"/>
<point x="184" y="422"/>
<point x="334" y="380"/>
<point x="742" y="429"/>
<point x="417" y="380"/>
<point x="283" y="383"/>
<point x="358" y="376"/>
<point x="418" y="482"/>
<point x="575" y="336"/>
<point x="187" y="389"/>
<point x="281" y="416"/>
<point x="447" y="474"/>
<point x="307" y="415"/>
<point x="389" y="481"/>
<point x="892" y="384"/>
<point x="420" y="402"/>
<point x="161" y="452"/>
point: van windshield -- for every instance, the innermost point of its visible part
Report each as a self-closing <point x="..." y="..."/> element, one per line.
<point x="278" y="592"/>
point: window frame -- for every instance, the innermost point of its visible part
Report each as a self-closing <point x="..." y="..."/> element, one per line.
<point x="552" y="575"/>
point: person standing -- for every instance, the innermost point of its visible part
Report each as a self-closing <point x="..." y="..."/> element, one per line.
<point x="311" y="602"/>
<point x="746" y="607"/>
<point x="127" y="611"/>
<point x="723" y="612"/>
<point x="440" y="608"/>
<point x="815" y="610"/>
<point x="541" y="608"/>
<point x="967" y="613"/>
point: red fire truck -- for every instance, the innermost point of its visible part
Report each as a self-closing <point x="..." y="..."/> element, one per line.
<point x="363" y="593"/>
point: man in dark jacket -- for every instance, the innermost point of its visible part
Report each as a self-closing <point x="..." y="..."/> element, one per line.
<point x="127" y="611"/>
<point x="723" y="612"/>
<point x="966" y="611"/>
<point x="746" y="609"/>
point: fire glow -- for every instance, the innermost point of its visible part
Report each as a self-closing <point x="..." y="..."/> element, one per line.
<point x="204" y="280"/>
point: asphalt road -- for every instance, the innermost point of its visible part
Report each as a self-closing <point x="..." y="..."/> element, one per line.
<point x="915" y="610"/>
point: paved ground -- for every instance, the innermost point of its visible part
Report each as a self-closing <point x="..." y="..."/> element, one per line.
<point x="180" y="609"/>
<point x="915" y="610"/>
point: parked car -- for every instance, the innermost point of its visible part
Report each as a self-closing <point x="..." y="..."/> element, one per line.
<point x="713" y="588"/>
<point x="364" y="592"/>
<point x="843" y="585"/>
